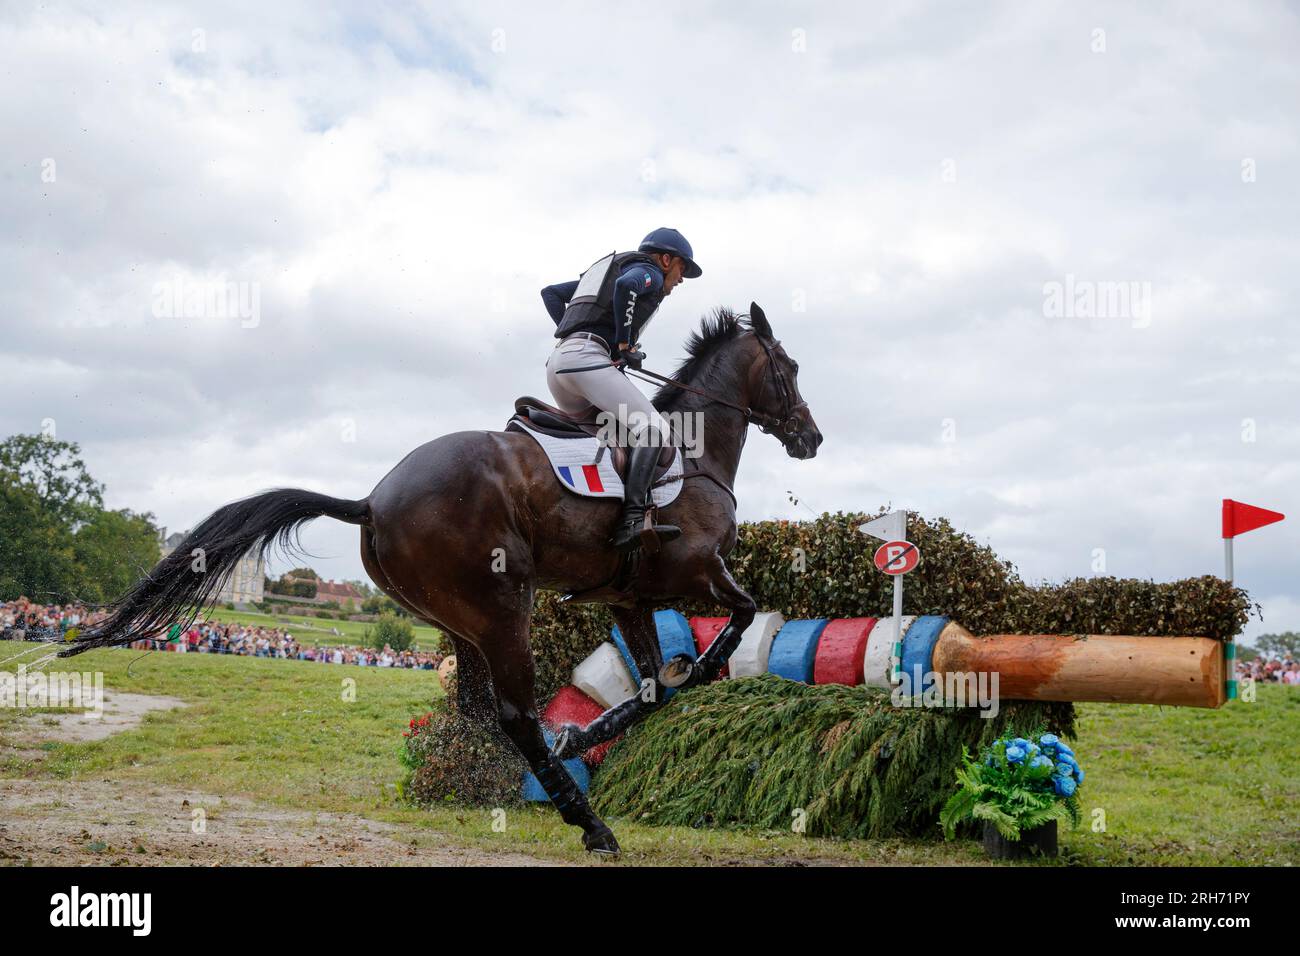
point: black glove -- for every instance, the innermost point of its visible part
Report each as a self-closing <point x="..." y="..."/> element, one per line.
<point x="631" y="358"/>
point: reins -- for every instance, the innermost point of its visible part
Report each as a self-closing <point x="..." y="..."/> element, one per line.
<point x="768" y="423"/>
<point x="787" y="421"/>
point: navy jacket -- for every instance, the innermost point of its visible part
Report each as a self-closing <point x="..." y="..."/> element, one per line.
<point x="638" y="290"/>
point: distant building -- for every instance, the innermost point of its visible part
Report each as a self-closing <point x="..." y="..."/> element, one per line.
<point x="246" y="584"/>
<point x="326" y="591"/>
<point x="335" y="591"/>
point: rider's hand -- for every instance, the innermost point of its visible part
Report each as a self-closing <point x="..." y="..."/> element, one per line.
<point x="631" y="357"/>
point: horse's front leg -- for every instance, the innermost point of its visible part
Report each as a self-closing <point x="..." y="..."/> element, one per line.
<point x="712" y="582"/>
<point x="722" y="587"/>
<point x="638" y="628"/>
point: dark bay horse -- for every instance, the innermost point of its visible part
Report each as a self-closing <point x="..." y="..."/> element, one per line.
<point x="468" y="527"/>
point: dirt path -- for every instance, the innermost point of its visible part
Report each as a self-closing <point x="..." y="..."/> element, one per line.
<point x="102" y="823"/>
<point x="121" y="711"/>
<point x="77" y="822"/>
<point x="71" y="823"/>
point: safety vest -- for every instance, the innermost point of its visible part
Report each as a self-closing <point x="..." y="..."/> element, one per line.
<point x="592" y="307"/>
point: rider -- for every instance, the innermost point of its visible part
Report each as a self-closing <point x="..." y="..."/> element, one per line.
<point x="600" y="316"/>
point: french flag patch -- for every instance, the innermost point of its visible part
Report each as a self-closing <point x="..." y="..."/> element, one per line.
<point x="583" y="469"/>
<point x="582" y="478"/>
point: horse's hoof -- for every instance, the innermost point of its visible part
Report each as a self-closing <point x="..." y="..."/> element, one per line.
<point x="568" y="742"/>
<point x="602" y="843"/>
<point x="677" y="670"/>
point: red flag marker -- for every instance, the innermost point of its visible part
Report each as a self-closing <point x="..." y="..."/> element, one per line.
<point x="1238" y="518"/>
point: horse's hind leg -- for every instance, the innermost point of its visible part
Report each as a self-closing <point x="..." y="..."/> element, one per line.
<point x="474" y="696"/>
<point x="455" y="581"/>
<point x="510" y="660"/>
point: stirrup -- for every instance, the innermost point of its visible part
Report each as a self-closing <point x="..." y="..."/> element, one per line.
<point x="648" y="537"/>
<point x="626" y="537"/>
<point x="654" y="536"/>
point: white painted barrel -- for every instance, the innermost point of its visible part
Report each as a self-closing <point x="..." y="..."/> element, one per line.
<point x="750" y="658"/>
<point x="604" y="677"/>
<point x="880" y="646"/>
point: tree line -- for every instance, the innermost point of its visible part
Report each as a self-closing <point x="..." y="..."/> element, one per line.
<point x="58" y="543"/>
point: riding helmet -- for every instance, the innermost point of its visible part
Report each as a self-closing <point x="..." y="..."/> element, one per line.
<point x="674" y="243"/>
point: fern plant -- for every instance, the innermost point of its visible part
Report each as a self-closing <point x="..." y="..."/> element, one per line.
<point x="1018" y="784"/>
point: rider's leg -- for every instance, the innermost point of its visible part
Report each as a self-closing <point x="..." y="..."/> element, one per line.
<point x="646" y="430"/>
<point x="567" y="390"/>
<point x="641" y="461"/>
<point x="607" y="388"/>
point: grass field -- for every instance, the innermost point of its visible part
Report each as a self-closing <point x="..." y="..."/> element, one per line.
<point x="312" y="630"/>
<point x="1176" y="786"/>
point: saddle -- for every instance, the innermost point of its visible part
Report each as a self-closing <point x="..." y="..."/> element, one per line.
<point x="549" y="420"/>
<point x="546" y="423"/>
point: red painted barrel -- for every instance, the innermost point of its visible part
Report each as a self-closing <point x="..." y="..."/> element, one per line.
<point x="705" y="630"/>
<point x="572" y="706"/>
<point x="841" y="649"/>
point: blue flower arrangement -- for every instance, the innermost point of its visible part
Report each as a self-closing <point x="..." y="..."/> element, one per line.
<point x="1018" y="784"/>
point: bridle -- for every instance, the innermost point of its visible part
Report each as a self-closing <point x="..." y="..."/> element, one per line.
<point x="787" y="422"/>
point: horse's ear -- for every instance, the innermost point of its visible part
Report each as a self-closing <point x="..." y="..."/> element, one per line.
<point x="758" y="319"/>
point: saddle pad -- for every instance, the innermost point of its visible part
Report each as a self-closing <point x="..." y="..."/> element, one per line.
<point x="574" y="461"/>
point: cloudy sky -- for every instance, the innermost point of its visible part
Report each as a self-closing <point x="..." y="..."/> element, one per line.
<point x="936" y="204"/>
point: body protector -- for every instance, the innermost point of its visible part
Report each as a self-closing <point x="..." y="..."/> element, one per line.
<point x="591" y="309"/>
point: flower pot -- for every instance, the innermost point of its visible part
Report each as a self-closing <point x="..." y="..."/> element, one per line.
<point x="1040" y="841"/>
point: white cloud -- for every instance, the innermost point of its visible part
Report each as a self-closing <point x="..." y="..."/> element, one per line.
<point x="399" y="192"/>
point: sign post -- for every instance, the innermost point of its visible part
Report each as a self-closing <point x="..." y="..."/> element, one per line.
<point x="895" y="557"/>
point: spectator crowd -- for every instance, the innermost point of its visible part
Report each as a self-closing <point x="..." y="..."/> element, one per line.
<point x="1270" y="670"/>
<point x="43" y="622"/>
<point x="24" y="620"/>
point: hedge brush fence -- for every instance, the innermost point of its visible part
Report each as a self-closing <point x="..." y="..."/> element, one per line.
<point x="766" y="752"/>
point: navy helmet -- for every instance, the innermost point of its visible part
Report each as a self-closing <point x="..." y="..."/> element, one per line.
<point x="674" y="243"/>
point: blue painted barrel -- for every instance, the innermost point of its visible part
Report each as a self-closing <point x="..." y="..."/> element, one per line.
<point x="675" y="637"/>
<point x="918" y="649"/>
<point x="621" y="644"/>
<point x="532" y="788"/>
<point x="794" y="649"/>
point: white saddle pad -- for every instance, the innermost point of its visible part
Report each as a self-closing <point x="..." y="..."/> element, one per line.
<point x="574" y="461"/>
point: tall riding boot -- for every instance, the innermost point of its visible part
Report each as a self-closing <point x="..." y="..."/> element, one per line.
<point x="641" y="461"/>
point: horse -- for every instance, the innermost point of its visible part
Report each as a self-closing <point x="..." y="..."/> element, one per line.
<point x="467" y="528"/>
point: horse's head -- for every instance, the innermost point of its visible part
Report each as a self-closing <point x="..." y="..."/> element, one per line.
<point x="774" y="398"/>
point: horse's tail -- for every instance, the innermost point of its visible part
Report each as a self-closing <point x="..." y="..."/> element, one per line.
<point x="185" y="581"/>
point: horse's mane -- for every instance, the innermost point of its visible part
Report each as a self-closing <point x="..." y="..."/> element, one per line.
<point x="715" y="331"/>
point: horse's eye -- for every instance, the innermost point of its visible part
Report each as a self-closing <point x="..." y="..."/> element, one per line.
<point x="794" y="367"/>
